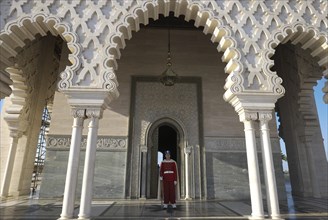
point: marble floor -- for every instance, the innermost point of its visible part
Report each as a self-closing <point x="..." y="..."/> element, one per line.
<point x="31" y="208"/>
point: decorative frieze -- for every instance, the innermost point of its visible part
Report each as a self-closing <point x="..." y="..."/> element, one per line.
<point x="107" y="143"/>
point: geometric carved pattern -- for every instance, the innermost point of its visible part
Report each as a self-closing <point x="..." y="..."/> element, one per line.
<point x="246" y="32"/>
<point x="166" y="103"/>
<point x="63" y="142"/>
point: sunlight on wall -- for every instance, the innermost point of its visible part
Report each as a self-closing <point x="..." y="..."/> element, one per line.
<point x="322" y="109"/>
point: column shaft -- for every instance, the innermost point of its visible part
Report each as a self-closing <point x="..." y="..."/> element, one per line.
<point x="89" y="168"/>
<point x="253" y="171"/>
<point x="187" y="153"/>
<point x="72" y="169"/>
<point x="269" y="173"/>
<point x="143" y="171"/>
<point x="9" y="167"/>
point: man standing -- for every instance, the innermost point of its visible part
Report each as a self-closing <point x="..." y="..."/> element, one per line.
<point x="168" y="176"/>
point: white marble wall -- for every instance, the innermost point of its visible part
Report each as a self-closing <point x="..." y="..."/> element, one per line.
<point x="109" y="179"/>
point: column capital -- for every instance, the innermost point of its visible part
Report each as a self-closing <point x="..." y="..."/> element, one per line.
<point x="143" y="148"/>
<point x="247" y="116"/>
<point x="187" y="150"/>
<point x="94" y="112"/>
<point x="265" y="116"/>
<point x="17" y="127"/>
<point x="78" y="112"/>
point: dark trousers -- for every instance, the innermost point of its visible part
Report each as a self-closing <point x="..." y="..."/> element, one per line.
<point x="169" y="192"/>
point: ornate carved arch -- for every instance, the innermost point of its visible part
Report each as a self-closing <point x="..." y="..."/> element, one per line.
<point x="246" y="32"/>
<point x="192" y="10"/>
<point x="170" y="121"/>
<point x="309" y="37"/>
<point x="17" y="32"/>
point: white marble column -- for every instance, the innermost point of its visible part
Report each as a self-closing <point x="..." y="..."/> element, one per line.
<point x="89" y="163"/>
<point x="9" y="165"/>
<point x="268" y="167"/>
<point x="143" y="150"/>
<point x="187" y="152"/>
<point x="73" y="165"/>
<point x="252" y="163"/>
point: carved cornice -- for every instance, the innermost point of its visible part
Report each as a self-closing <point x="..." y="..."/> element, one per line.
<point x="104" y="143"/>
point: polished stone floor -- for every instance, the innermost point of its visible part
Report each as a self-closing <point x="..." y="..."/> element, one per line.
<point x="29" y="208"/>
<point x="33" y="208"/>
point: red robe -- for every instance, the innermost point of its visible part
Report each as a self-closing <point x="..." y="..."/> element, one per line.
<point x="168" y="174"/>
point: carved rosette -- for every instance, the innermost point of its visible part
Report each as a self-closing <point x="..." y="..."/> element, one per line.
<point x="57" y="142"/>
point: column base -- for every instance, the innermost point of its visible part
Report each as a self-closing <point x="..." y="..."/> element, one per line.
<point x="256" y="217"/>
<point x="84" y="217"/>
<point x="66" y="218"/>
<point x="277" y="217"/>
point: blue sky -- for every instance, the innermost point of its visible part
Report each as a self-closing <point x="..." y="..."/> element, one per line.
<point x="322" y="109"/>
<point x="322" y="112"/>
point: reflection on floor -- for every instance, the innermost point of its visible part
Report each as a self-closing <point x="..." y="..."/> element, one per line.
<point x="33" y="208"/>
<point x="151" y="209"/>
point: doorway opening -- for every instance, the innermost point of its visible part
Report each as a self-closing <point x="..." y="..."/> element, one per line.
<point x="167" y="140"/>
<point x="164" y="137"/>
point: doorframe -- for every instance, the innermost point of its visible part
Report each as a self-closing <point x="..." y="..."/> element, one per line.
<point x="181" y="145"/>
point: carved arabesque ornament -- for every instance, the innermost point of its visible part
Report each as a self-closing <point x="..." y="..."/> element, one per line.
<point x="246" y="32"/>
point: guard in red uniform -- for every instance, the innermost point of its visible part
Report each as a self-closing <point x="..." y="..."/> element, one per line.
<point x="168" y="176"/>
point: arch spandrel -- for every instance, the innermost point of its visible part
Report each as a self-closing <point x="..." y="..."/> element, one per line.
<point x="246" y="33"/>
<point x="26" y="19"/>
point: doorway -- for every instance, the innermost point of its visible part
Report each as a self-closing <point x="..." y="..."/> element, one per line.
<point x="165" y="136"/>
<point x="167" y="140"/>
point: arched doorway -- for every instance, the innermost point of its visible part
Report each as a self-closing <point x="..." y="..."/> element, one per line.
<point x="164" y="136"/>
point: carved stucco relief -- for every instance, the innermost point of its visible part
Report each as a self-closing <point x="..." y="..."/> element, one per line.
<point x="62" y="142"/>
<point x="246" y="32"/>
<point x="155" y="101"/>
